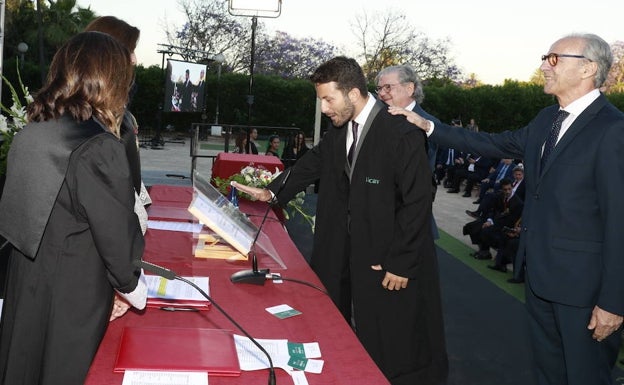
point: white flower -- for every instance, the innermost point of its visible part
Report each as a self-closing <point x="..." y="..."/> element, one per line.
<point x="27" y="96"/>
<point x="4" y="127"/>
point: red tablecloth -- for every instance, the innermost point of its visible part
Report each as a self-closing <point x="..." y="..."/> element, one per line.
<point x="346" y="361"/>
<point x="227" y="164"/>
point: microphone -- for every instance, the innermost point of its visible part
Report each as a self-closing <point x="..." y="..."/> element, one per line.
<point x="255" y="276"/>
<point x="170" y="275"/>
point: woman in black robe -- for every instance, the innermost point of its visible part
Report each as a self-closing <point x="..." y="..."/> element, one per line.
<point x="67" y="210"/>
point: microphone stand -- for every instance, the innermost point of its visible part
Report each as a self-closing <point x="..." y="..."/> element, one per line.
<point x="255" y="276"/>
<point x="171" y="275"/>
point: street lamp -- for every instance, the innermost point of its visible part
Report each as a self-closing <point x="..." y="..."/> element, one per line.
<point x="22" y="48"/>
<point x="253" y="9"/>
<point x="220" y="59"/>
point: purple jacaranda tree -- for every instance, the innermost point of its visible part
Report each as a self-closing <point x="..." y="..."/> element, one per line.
<point x="290" y="57"/>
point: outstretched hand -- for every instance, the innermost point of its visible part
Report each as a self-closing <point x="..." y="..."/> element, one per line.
<point x="257" y="193"/>
<point x="411" y="116"/>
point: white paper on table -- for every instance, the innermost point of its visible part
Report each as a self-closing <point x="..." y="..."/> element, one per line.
<point x="250" y="357"/>
<point x="298" y="377"/>
<point x="139" y="377"/>
<point x="186" y="227"/>
<point x="312" y="350"/>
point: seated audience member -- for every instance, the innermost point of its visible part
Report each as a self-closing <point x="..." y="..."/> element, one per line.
<point x="507" y="249"/>
<point x="273" y="146"/>
<point x="518" y="186"/>
<point x="477" y="168"/>
<point x="447" y="159"/>
<point x="517" y="190"/>
<point x="504" y="169"/>
<point x="487" y="230"/>
<point x="294" y="150"/>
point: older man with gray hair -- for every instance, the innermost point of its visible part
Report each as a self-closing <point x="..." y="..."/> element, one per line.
<point x="400" y="86"/>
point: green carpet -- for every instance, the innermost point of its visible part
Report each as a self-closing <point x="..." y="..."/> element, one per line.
<point x="461" y="251"/>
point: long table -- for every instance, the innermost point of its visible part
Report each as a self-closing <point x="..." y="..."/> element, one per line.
<point x="346" y="361"/>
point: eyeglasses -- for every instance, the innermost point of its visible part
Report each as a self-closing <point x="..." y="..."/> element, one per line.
<point x="553" y="58"/>
<point x="386" y="87"/>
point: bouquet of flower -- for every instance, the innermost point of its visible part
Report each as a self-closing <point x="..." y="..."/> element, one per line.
<point x="16" y="119"/>
<point x="260" y="177"/>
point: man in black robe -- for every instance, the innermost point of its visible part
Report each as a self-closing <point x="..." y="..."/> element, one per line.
<point x="373" y="246"/>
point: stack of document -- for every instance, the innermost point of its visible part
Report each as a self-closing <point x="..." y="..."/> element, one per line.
<point x="163" y="293"/>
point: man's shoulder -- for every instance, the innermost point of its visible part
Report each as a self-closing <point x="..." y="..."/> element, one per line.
<point x="420" y="111"/>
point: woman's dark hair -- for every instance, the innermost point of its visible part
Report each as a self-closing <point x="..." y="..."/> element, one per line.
<point x="125" y="33"/>
<point x="90" y="76"/>
<point x="240" y="140"/>
<point x="273" y="137"/>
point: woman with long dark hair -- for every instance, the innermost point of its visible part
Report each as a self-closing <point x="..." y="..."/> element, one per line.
<point x="67" y="210"/>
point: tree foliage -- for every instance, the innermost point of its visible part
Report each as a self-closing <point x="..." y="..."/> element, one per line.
<point x="210" y="28"/>
<point x="290" y="57"/>
<point x="615" y="80"/>
<point x="61" y="20"/>
<point x="386" y="39"/>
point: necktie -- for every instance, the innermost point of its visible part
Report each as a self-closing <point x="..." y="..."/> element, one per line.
<point x="354" y="129"/>
<point x="552" y="137"/>
<point x="451" y="157"/>
<point x="502" y="172"/>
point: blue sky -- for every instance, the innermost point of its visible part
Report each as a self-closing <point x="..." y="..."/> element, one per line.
<point x="495" y="40"/>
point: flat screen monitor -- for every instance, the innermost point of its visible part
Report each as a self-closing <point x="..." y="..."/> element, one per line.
<point x="185" y="86"/>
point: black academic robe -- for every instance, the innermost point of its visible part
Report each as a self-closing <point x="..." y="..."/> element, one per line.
<point x="379" y="212"/>
<point x="62" y="273"/>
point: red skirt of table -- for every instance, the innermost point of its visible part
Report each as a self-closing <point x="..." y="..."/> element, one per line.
<point x="346" y="361"/>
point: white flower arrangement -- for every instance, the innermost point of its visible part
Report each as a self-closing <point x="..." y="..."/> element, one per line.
<point x="260" y="177"/>
<point x="13" y="119"/>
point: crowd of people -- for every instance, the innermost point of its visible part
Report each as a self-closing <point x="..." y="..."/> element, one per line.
<point x="546" y="193"/>
<point x="500" y="193"/>
<point x="294" y="149"/>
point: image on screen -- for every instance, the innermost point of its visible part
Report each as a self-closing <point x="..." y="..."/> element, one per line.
<point x="184" y="86"/>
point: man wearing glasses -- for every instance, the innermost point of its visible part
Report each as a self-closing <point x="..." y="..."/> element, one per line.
<point x="571" y="233"/>
<point x="400" y="86"/>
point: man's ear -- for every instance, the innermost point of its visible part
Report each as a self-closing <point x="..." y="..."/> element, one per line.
<point x="589" y="69"/>
<point x="354" y="95"/>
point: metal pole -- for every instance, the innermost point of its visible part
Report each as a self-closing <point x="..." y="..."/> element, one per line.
<point x="218" y="93"/>
<point x="250" y="97"/>
<point x="40" y="39"/>
<point x="2" y="8"/>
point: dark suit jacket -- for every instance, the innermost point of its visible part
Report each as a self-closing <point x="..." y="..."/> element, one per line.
<point x="432" y="148"/>
<point x="509" y="213"/>
<point x="508" y="173"/>
<point x="572" y="232"/>
<point x="521" y="190"/>
<point x="443" y="155"/>
<point x="378" y="212"/>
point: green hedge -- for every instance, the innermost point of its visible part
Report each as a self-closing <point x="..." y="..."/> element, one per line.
<point x="291" y="103"/>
